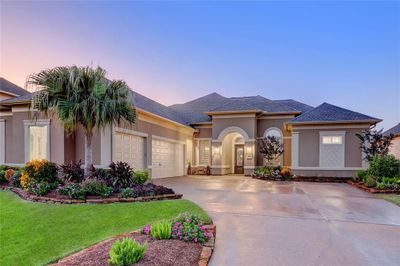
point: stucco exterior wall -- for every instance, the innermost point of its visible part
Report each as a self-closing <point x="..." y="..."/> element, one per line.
<point x="204" y="132"/>
<point x="395" y="148"/>
<point x="15" y="138"/>
<point x="4" y="96"/>
<point x="309" y="151"/>
<point x="248" y="124"/>
<point x="265" y="123"/>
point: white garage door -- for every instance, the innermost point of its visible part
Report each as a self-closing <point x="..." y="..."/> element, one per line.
<point x="131" y="149"/>
<point x="167" y="159"/>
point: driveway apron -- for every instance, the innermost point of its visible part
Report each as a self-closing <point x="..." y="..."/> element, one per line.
<point x="294" y="223"/>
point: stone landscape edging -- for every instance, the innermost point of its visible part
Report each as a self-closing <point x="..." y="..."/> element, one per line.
<point x="26" y="196"/>
<point x="373" y="190"/>
<point x="205" y="254"/>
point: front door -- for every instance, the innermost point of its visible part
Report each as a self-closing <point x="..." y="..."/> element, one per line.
<point x="239" y="159"/>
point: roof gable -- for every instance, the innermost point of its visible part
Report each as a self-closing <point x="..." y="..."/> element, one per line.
<point x="394" y="130"/>
<point x="330" y="113"/>
<point x="11" y="88"/>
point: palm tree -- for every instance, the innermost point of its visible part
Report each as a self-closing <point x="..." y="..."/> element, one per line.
<point x="82" y="96"/>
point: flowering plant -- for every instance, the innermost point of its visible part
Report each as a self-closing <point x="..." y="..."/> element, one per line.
<point x="147" y="230"/>
<point x="189" y="231"/>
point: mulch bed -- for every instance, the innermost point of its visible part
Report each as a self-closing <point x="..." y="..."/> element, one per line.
<point x="54" y="197"/>
<point x="159" y="252"/>
<point x="373" y="190"/>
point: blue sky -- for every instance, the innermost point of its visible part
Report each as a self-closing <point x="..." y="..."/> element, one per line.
<point x="344" y="53"/>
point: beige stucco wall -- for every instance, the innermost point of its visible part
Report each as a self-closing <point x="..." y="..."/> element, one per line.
<point x="395" y="147"/>
<point x="15" y="138"/>
<point x="248" y="124"/>
<point x="266" y="122"/>
<point x="309" y="146"/>
<point x="203" y="132"/>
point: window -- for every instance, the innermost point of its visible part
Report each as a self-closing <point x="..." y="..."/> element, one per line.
<point x="204" y="152"/>
<point x="328" y="140"/>
<point x="331" y="149"/>
<point x="38" y="142"/>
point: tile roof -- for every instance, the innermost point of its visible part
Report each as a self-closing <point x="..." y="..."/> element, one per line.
<point x="302" y="107"/>
<point x="394" y="130"/>
<point x="22" y="98"/>
<point x="330" y="113"/>
<point x="147" y="104"/>
<point x="10" y="87"/>
<point x="253" y="103"/>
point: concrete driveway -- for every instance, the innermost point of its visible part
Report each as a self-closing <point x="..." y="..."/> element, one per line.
<point x="291" y="223"/>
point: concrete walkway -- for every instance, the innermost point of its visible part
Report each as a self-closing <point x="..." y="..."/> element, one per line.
<point x="290" y="223"/>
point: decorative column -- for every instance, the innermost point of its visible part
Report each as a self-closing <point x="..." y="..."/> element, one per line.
<point x="250" y="160"/>
<point x="216" y="157"/>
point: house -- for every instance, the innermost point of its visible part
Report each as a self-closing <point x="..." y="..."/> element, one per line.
<point x="395" y="147"/>
<point x="212" y="130"/>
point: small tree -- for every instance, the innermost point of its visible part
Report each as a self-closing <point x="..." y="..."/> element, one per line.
<point x="82" y="96"/>
<point x="271" y="148"/>
<point x="373" y="143"/>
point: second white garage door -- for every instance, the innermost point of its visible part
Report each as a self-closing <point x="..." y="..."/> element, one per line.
<point x="131" y="149"/>
<point x="167" y="159"/>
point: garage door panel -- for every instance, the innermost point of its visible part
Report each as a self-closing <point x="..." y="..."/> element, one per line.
<point x="167" y="158"/>
<point x="131" y="149"/>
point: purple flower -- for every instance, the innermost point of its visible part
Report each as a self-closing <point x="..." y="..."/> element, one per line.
<point x="147" y="229"/>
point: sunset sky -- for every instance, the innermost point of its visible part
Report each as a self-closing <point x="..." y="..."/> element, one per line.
<point x="344" y="53"/>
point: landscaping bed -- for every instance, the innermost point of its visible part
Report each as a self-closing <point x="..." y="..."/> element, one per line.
<point x="47" y="182"/>
<point x="159" y="252"/>
<point x="184" y="241"/>
<point x="373" y="190"/>
<point x="54" y="197"/>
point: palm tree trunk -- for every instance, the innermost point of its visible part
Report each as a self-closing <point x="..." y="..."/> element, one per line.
<point x="88" y="153"/>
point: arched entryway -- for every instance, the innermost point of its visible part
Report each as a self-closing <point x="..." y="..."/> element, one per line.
<point x="233" y="152"/>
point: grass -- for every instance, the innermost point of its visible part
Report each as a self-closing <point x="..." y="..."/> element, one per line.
<point x="38" y="233"/>
<point x="390" y="197"/>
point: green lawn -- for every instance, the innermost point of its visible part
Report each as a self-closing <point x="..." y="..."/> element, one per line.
<point x="390" y="197"/>
<point x="38" y="233"/>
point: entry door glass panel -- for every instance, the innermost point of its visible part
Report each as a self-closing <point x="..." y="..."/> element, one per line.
<point x="239" y="156"/>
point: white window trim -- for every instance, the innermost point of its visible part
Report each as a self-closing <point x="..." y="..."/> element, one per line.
<point x="2" y="141"/>
<point x="333" y="133"/>
<point x="38" y="122"/>
<point x="198" y="151"/>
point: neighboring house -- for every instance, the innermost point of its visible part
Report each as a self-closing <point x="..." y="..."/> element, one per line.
<point x="395" y="147"/>
<point x="212" y="130"/>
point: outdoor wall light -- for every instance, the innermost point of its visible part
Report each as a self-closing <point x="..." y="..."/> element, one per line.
<point x="216" y="150"/>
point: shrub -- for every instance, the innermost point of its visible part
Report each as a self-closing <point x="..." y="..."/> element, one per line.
<point x="187" y="217"/>
<point x="16" y="179"/>
<point x="161" y="230"/>
<point x="384" y="166"/>
<point x="39" y="171"/>
<point x="140" y="177"/>
<point x="370" y="181"/>
<point x="190" y="232"/>
<point x="71" y="172"/>
<point x="286" y="172"/>
<point x="128" y="193"/>
<point x="150" y="189"/>
<point x="126" y="252"/>
<point x="3" y="177"/>
<point x="73" y="191"/>
<point x="9" y="174"/>
<point x="96" y="187"/>
<point x="121" y="175"/>
<point x="360" y="176"/>
<point x="188" y="227"/>
<point x="41" y="189"/>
